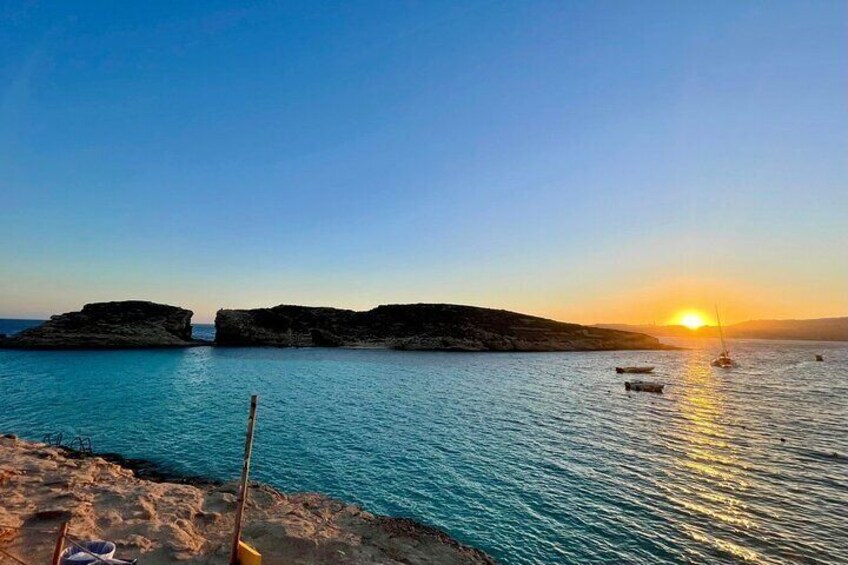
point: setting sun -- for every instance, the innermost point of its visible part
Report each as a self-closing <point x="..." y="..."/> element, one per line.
<point x="692" y="320"/>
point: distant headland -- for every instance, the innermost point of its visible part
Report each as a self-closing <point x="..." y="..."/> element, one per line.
<point x="419" y="327"/>
<point x="820" y="329"/>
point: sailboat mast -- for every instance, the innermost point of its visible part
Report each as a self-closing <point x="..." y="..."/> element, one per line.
<point x="720" y="331"/>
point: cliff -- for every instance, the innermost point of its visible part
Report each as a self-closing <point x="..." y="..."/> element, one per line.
<point x="416" y="327"/>
<point x="164" y="523"/>
<point x="106" y="325"/>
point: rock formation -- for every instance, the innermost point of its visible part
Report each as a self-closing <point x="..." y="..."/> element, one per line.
<point x="417" y="327"/>
<point x="165" y="523"/>
<point x="108" y="325"/>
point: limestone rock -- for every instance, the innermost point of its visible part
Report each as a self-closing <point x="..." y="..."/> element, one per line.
<point x="162" y="523"/>
<point x="444" y="327"/>
<point x="110" y="325"/>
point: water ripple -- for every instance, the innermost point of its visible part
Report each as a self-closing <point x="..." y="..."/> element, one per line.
<point x="535" y="458"/>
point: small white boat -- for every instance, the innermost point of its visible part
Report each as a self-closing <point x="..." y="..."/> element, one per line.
<point x="634" y="370"/>
<point x="724" y="360"/>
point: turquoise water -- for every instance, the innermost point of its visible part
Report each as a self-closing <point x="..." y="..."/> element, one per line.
<point x="535" y="458"/>
<point x="10" y="326"/>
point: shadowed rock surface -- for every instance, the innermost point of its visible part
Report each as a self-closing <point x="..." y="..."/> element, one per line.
<point x="445" y="327"/>
<point x="110" y="325"/>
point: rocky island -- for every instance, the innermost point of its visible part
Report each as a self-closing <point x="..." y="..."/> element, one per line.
<point x="163" y="522"/>
<point x="110" y="325"/>
<point x="414" y="327"/>
<point x="424" y="327"/>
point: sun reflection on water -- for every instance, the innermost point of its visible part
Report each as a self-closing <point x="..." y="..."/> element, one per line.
<point x="708" y="456"/>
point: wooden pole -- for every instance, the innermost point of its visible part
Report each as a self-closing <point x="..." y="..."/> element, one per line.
<point x="60" y="543"/>
<point x="245" y="473"/>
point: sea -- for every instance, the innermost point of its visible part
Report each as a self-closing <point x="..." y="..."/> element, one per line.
<point x="535" y="458"/>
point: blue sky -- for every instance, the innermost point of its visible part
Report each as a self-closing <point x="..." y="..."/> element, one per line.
<point x="589" y="161"/>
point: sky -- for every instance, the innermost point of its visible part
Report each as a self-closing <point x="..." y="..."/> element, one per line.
<point x="585" y="161"/>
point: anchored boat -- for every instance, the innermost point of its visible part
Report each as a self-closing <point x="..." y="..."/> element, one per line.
<point x="634" y="370"/>
<point x="724" y="360"/>
<point x="644" y="386"/>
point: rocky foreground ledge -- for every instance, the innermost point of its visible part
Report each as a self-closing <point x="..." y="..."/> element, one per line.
<point x="110" y="325"/>
<point x="164" y="522"/>
<point x="425" y="327"/>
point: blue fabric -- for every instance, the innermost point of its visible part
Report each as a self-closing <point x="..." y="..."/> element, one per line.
<point x="76" y="556"/>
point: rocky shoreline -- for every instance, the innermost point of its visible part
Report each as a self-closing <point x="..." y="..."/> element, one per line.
<point x="165" y="518"/>
<point x="417" y="327"/>
<point x="127" y="324"/>
<point x="135" y="324"/>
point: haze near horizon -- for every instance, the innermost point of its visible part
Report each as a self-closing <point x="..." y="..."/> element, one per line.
<point x="596" y="162"/>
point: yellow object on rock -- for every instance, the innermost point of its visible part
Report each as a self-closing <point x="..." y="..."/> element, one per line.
<point x="247" y="555"/>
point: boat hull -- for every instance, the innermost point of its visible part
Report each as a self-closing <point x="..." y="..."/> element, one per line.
<point x="644" y="386"/>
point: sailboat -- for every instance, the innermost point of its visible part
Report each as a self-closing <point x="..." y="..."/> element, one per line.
<point x="723" y="360"/>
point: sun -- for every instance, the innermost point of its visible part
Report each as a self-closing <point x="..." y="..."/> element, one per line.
<point x="692" y="320"/>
